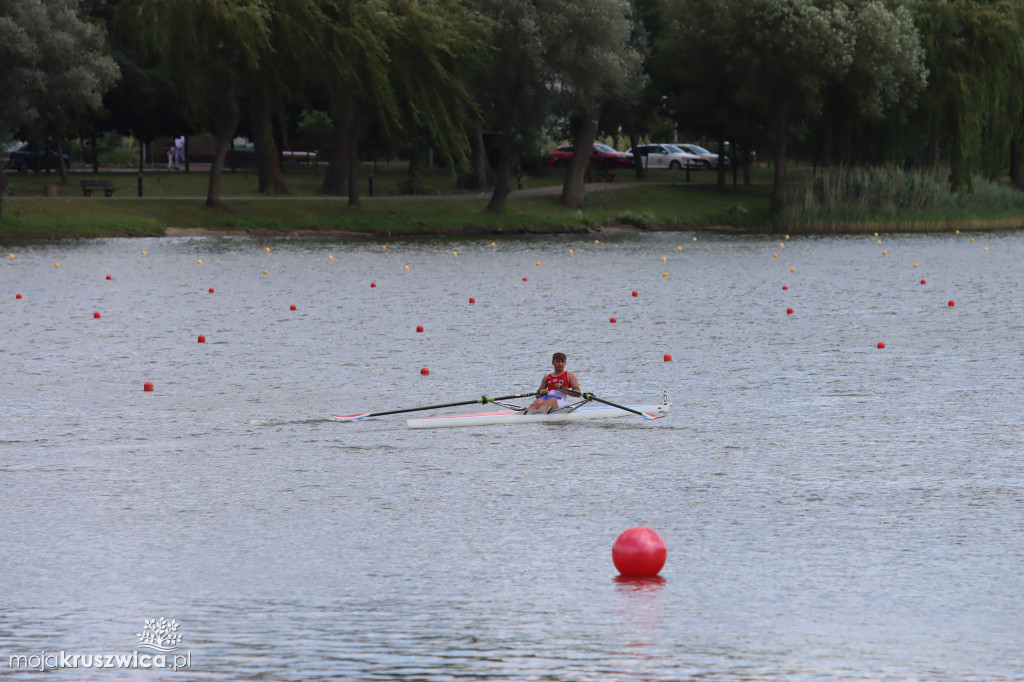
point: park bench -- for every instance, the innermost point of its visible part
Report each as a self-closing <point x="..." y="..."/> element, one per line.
<point x="90" y="186"/>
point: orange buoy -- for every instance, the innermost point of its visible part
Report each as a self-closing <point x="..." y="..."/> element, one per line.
<point x="668" y="357"/>
<point x="425" y="371"/>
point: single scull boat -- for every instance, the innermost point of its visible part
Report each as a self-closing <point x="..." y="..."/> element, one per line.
<point x="565" y="414"/>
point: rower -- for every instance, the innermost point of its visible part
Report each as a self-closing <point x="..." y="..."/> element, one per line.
<point x="549" y="397"/>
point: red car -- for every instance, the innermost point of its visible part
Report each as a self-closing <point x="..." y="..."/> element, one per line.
<point x="601" y="156"/>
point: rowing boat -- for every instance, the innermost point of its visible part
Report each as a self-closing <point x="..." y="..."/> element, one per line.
<point x="569" y="413"/>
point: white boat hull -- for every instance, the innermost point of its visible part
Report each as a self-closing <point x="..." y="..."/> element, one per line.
<point x="518" y="417"/>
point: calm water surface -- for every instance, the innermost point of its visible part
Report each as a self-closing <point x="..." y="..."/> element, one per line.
<point x="832" y="510"/>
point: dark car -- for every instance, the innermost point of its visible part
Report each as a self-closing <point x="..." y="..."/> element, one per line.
<point x="601" y="156"/>
<point x="23" y="157"/>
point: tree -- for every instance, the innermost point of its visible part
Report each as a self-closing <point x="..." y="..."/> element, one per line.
<point x="54" y="67"/>
<point x="209" y="47"/>
<point x="585" y="67"/>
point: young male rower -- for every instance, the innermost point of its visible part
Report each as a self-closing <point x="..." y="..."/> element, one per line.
<point x="548" y="395"/>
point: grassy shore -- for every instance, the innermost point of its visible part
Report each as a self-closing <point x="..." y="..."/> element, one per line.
<point x="665" y="200"/>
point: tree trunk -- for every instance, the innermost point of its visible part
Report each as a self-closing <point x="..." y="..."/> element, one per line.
<point x="781" y="124"/>
<point x="501" y="184"/>
<point x="225" y="132"/>
<point x="4" y="187"/>
<point x="336" y="177"/>
<point x="1016" y="151"/>
<point x="353" y="158"/>
<point x="721" y="164"/>
<point x="572" y="190"/>
<point x="638" y="162"/>
<point x="268" y="159"/>
<point x="60" y="160"/>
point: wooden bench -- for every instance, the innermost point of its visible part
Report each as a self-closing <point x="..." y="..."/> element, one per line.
<point x="90" y="186"/>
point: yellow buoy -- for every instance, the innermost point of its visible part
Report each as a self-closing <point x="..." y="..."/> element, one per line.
<point x="143" y="253"/>
<point x="885" y="253"/>
<point x="455" y="254"/>
<point x="915" y="265"/>
<point x="268" y="249"/>
<point x="330" y="258"/>
<point x="596" y="241"/>
<point x="664" y="260"/>
<point x="538" y="264"/>
<point x="383" y="247"/>
<point x="664" y="274"/>
<point x="406" y="267"/>
<point x="200" y="261"/>
<point x="12" y="255"/>
<point x="694" y="239"/>
<point x="570" y="252"/>
<point x="775" y="255"/>
<point x="792" y="269"/>
<point x="266" y="272"/>
<point x="972" y="240"/>
<point x="56" y="265"/>
<point x="679" y="248"/>
<point x="492" y="244"/>
<point x="986" y="248"/>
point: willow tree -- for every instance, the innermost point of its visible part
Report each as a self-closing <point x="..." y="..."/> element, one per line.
<point x="594" y="61"/>
<point x="973" y="105"/>
<point x="209" y="47"/>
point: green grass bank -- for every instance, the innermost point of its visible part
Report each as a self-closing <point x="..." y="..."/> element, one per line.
<point x="665" y="200"/>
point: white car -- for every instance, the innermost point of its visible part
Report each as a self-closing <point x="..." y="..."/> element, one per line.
<point x="709" y="159"/>
<point x="666" y="156"/>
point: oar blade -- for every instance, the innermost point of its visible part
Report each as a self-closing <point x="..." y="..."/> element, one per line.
<point x="350" y="417"/>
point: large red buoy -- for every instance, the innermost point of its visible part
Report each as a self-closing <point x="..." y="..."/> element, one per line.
<point x="951" y="304"/>
<point x="148" y="386"/>
<point x="472" y="300"/>
<point x="373" y="285"/>
<point x="881" y="344"/>
<point x="96" y="315"/>
<point x="639" y="551"/>
<point x="211" y="290"/>
<point x="668" y="357"/>
<point x="202" y="338"/>
<point x="789" y="311"/>
<point x="293" y="307"/>
<point x="419" y="328"/>
<point x="17" y="296"/>
<point x="635" y="293"/>
<point x="425" y="371"/>
<point x="612" y="320"/>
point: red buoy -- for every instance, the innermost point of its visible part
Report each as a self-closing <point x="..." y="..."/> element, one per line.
<point x="524" y="279"/>
<point x="96" y="315"/>
<point x="923" y="282"/>
<point x="881" y="344"/>
<point x="419" y="328"/>
<point x="17" y="296"/>
<point x="373" y="285"/>
<point x="148" y="386"/>
<point x="639" y="551"/>
<point x="635" y="293"/>
<point x="211" y="290"/>
<point x="472" y="300"/>
<point x="293" y="307"/>
<point x="612" y="320"/>
<point x="951" y="304"/>
<point x="424" y="371"/>
<point x="202" y="338"/>
<point x="668" y="357"/>
<point x="109" y="277"/>
<point x="789" y="311"/>
<point x="785" y="288"/>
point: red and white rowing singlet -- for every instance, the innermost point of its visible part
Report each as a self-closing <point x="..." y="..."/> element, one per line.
<point x="553" y="383"/>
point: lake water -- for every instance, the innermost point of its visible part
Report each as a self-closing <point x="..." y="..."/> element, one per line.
<point x="832" y="510"/>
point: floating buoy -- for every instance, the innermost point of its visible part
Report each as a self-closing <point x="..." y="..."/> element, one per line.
<point x="789" y="311"/>
<point x="570" y="252"/>
<point x="143" y="253"/>
<point x="268" y="249"/>
<point x="293" y="307"/>
<point x="881" y="344"/>
<point x="611" y="319"/>
<point x="775" y="255"/>
<point x="596" y="241"/>
<point x="538" y="264"/>
<point x="885" y="253"/>
<point x="915" y="265"/>
<point x="383" y="247"/>
<point x="694" y="239"/>
<point x="148" y="386"/>
<point x="109" y="277"/>
<point x="986" y="248"/>
<point x="524" y="279"/>
<point x="56" y="265"/>
<point x="424" y="371"/>
<point x="668" y="357"/>
<point x="792" y="269"/>
<point x="96" y="315"/>
<point x="17" y="296"/>
<point x="664" y="274"/>
<point x="406" y="267"/>
<point x="664" y="260"/>
<point x="455" y="254"/>
<point x="211" y="290"/>
<point x="373" y="285"/>
<point x="472" y="300"/>
<point x="635" y="293"/>
<point x="419" y="328"/>
<point x="679" y="248"/>
<point x="639" y="551"/>
<point x="493" y="244"/>
<point x="202" y="338"/>
<point x="972" y="240"/>
<point x="785" y="288"/>
<point x="923" y="282"/>
<point x="330" y="258"/>
<point x="266" y="272"/>
<point x="199" y="262"/>
<point x="951" y="304"/>
<point x="10" y="255"/>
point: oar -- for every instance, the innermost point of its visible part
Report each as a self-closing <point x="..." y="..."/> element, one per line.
<point x="482" y="401"/>
<point x="591" y="396"/>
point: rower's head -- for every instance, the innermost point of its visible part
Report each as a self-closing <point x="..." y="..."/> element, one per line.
<point x="558" y="361"/>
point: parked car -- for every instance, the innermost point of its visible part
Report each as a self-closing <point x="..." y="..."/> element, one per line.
<point x="710" y="159"/>
<point x="667" y="156"/>
<point x="23" y="157"/>
<point x="601" y="156"/>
